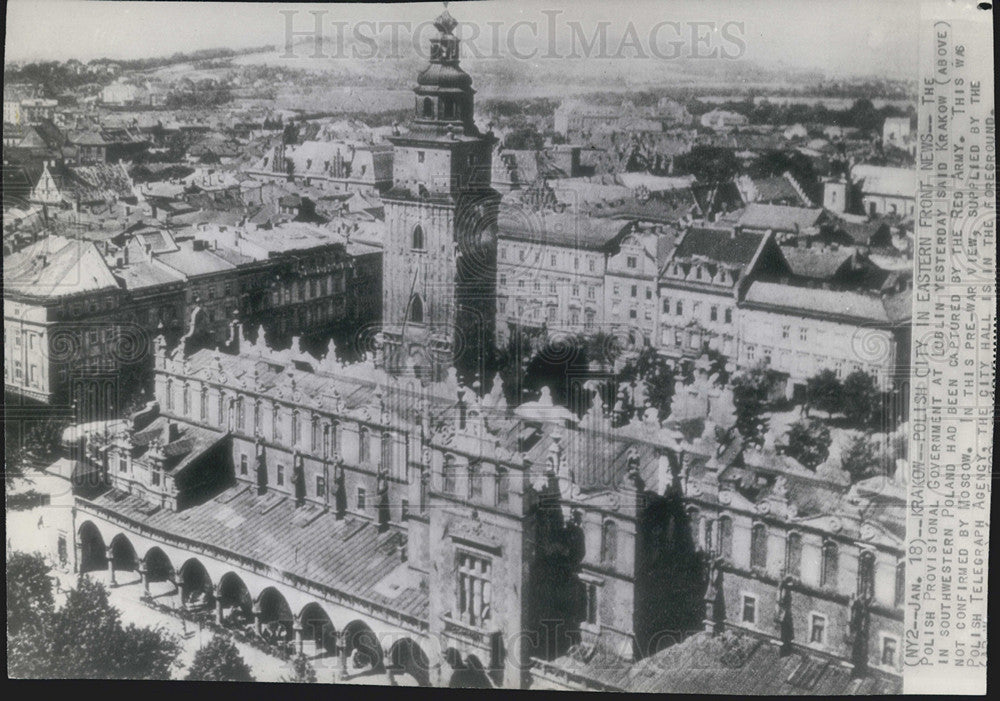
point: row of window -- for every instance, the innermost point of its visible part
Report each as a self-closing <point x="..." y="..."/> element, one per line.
<point x="473" y="487"/>
<point x="819" y="630"/>
<point x="322" y="436"/>
<point x="361" y="495"/>
<point x="522" y="257"/>
<point x="721" y="543"/>
<point x="713" y="311"/>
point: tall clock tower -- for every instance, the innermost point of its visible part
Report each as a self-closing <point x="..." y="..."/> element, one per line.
<point x="439" y="259"/>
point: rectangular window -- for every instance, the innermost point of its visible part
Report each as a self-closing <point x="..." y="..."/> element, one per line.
<point x="592" y="591"/>
<point x="123" y="465"/>
<point x="404" y="508"/>
<point x="553" y="259"/>
<point x="244" y="469"/>
<point x="817" y="629"/>
<point x="420" y="156"/>
<point x="320" y="485"/>
<point x="281" y="475"/>
<point x="750" y="610"/>
<point x="502" y="487"/>
<point x="635" y="290"/>
<point x="475" y="482"/>
<point x="729" y="316"/>
<point x="361" y="498"/>
<point x="666" y="306"/>
<point x="889" y="651"/>
<point x="714" y="313"/>
<point x="631" y="262"/>
<point x="803" y="334"/>
<point x="474" y="589"/>
<point x="785" y="330"/>
<point x="154" y="477"/>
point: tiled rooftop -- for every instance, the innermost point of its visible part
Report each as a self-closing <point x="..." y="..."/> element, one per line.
<point x="348" y="555"/>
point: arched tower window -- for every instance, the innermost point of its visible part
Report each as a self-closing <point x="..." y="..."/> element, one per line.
<point x="758" y="546"/>
<point x="416" y="309"/>
<point x="793" y="555"/>
<point x="726" y="537"/>
<point x="428" y="108"/>
<point x="866" y="574"/>
<point x="830" y="564"/>
<point x="609" y="537"/>
<point x="418" y="238"/>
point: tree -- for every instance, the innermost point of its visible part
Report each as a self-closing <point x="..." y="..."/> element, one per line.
<point x="750" y="395"/>
<point x="86" y="640"/>
<point x="654" y="371"/>
<point x="302" y="671"/>
<point x="823" y="391"/>
<point x="29" y="591"/>
<point x="709" y="164"/>
<point x="808" y="442"/>
<point x="219" y="661"/>
<point x="718" y="366"/>
<point x="860" y="458"/>
<point x="861" y="399"/>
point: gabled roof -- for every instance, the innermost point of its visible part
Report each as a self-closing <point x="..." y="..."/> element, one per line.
<point x="816" y="263"/>
<point x="732" y="247"/>
<point x="830" y="304"/>
<point x="884" y="180"/>
<point x="780" y="217"/>
<point x="559" y="228"/>
<point x="57" y="267"/>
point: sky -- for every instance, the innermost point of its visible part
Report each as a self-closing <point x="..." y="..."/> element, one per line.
<point x="839" y="37"/>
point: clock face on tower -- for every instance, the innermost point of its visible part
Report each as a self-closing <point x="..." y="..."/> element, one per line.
<point x="440" y="254"/>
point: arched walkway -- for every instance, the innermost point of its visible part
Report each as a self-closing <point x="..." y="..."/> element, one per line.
<point x="318" y="633"/>
<point x="406" y="657"/>
<point x="195" y="584"/>
<point x="160" y="573"/>
<point x="93" y="556"/>
<point x="235" y="599"/>
<point x="123" y="555"/>
<point x="275" y="615"/>
<point x="363" y="648"/>
<point x="158" y="566"/>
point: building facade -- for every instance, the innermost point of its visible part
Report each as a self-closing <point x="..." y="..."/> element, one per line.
<point x="500" y="545"/>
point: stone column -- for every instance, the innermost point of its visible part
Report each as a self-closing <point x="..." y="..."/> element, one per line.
<point x="144" y="576"/>
<point x="297" y="630"/>
<point x="256" y="618"/>
<point x="341" y="673"/>
<point x="108" y="554"/>
<point x="217" y="593"/>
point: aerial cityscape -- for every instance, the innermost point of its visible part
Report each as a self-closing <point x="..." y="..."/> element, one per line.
<point x="355" y="374"/>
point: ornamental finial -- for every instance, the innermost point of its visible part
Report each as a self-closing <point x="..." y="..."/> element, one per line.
<point x="445" y="23"/>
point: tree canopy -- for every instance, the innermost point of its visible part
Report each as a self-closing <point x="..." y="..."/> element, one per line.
<point x="83" y="639"/>
<point x="809" y="443"/>
<point x="219" y="661"/>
